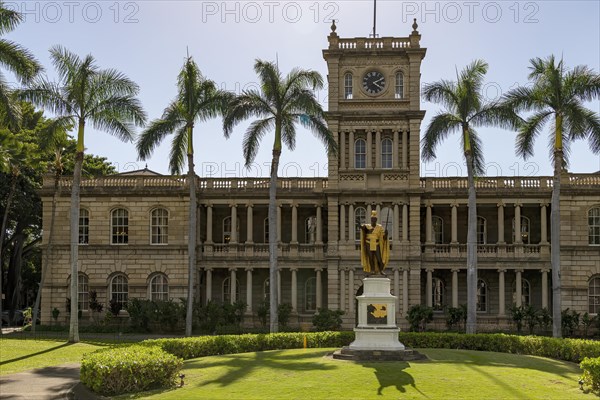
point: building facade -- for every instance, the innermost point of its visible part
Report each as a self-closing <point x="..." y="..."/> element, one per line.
<point x="133" y="227"/>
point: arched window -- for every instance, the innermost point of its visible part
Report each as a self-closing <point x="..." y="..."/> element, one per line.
<point x="437" y="225"/>
<point x="525" y="225"/>
<point x="119" y="289"/>
<point x="159" y="226"/>
<point x="83" y="292"/>
<point x="525" y="292"/>
<point x="386" y="153"/>
<point x="227" y="229"/>
<point x="227" y="290"/>
<point x="310" y="229"/>
<point x="594" y="295"/>
<point x="348" y="86"/>
<point x="310" y="294"/>
<point x="481" y="230"/>
<point x="84" y="226"/>
<point x="482" y="299"/>
<point x="594" y="226"/>
<point x="437" y="293"/>
<point x="386" y="219"/>
<point x="119" y="226"/>
<point x="266" y="230"/>
<point x="360" y="153"/>
<point x="399" y="85"/>
<point x="159" y="288"/>
<point x="360" y="217"/>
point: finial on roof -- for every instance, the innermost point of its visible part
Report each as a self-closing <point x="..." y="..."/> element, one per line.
<point x="415" y="26"/>
<point x="333" y="27"/>
<point x="146" y="167"/>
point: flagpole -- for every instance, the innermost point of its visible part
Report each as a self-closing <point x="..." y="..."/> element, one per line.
<point x="374" y="18"/>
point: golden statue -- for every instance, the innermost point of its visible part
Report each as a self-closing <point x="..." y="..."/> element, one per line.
<point x="374" y="246"/>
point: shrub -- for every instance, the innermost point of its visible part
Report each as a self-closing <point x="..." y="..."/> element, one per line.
<point x="115" y="307"/>
<point x="141" y="313"/>
<point x="55" y="313"/>
<point x="517" y="314"/>
<point x="262" y="312"/>
<point x="94" y="304"/>
<point x="129" y="369"/>
<point x="545" y="319"/>
<point x="531" y="317"/>
<point x="327" y="320"/>
<point x="569" y="321"/>
<point x="418" y="317"/>
<point x="284" y="311"/>
<point x="591" y="373"/>
<point x="455" y="316"/>
<point x="587" y="321"/>
<point x="168" y="314"/>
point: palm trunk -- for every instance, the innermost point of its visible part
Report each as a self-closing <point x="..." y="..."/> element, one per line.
<point x="555" y="246"/>
<point x="11" y="194"/>
<point x="191" y="246"/>
<point x="471" y="250"/>
<point x="273" y="236"/>
<point x="74" y="320"/>
<point x="46" y="261"/>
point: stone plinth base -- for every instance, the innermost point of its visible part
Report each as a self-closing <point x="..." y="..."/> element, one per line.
<point x="348" y="354"/>
<point x="376" y="339"/>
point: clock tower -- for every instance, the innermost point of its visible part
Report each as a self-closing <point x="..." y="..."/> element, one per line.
<point x="375" y="114"/>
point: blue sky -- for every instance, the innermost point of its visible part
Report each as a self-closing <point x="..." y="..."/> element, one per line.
<point x="148" y="40"/>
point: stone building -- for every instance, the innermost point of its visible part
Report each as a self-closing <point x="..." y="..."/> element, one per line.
<point x="133" y="227"/>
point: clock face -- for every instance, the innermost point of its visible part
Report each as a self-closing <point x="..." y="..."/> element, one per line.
<point x="373" y="82"/>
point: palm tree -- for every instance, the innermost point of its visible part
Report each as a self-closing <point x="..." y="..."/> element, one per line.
<point x="106" y="98"/>
<point x="197" y="100"/>
<point x="465" y="109"/>
<point x="281" y="103"/>
<point x="556" y="96"/>
<point x="17" y="60"/>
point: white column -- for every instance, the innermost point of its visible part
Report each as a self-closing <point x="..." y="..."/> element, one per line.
<point x="342" y="223"/>
<point x="544" y="288"/>
<point x="319" y="225"/>
<point x="319" y="286"/>
<point x="249" y="290"/>
<point x="428" y="225"/>
<point x="208" y="285"/>
<point x="396" y="224"/>
<point x="500" y="223"/>
<point x="249" y="227"/>
<point x="404" y="222"/>
<point x="343" y="289"/>
<point x="395" y="150"/>
<point x="351" y="149"/>
<point x="279" y="223"/>
<point x="454" y="223"/>
<point x="519" y="287"/>
<point x="369" y="159"/>
<point x="234" y="237"/>
<point x="294" y="223"/>
<point x="378" y="149"/>
<point x="351" y="224"/>
<point x="342" y="146"/>
<point x="351" y="295"/>
<point x="544" y="228"/>
<point x="518" y="238"/>
<point x="233" y="284"/>
<point x="379" y="216"/>
<point x="294" y="290"/>
<point x="278" y="286"/>
<point x="404" y="291"/>
<point x="397" y="288"/>
<point x="455" y="287"/>
<point x="501" y="293"/>
<point x="404" y="150"/>
<point x="429" y="288"/>
<point x="209" y="223"/>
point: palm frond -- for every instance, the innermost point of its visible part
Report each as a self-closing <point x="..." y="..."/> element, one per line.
<point x="317" y="124"/>
<point x="270" y="80"/>
<point x="476" y="152"/>
<point x="255" y="132"/>
<point x="528" y="132"/>
<point x="19" y="61"/>
<point x="9" y="19"/>
<point x="496" y="114"/>
<point x="158" y="129"/>
<point x="249" y="103"/>
<point x="440" y="126"/>
<point x="179" y="149"/>
<point x="442" y="92"/>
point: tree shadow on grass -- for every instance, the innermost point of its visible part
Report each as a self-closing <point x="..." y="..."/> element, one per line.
<point x="239" y="366"/>
<point x="392" y="374"/>
<point x="60" y="346"/>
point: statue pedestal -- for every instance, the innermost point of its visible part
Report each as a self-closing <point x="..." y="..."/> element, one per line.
<point x="376" y="335"/>
<point x="376" y="329"/>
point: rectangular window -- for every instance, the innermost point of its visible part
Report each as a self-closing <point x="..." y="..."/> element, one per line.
<point x="159" y="225"/>
<point x="84" y="226"/>
<point x="120" y="226"/>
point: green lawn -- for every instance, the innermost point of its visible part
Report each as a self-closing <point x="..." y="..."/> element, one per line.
<point x="17" y="355"/>
<point x="309" y="374"/>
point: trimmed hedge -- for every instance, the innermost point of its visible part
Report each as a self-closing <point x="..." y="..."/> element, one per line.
<point x="591" y="373"/>
<point x="129" y="369"/>
<point x="573" y="350"/>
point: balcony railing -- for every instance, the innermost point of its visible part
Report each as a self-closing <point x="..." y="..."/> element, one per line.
<point x="261" y="250"/>
<point x="515" y="182"/>
<point x="459" y="250"/>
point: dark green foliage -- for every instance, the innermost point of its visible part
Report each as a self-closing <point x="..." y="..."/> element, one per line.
<point x="115" y="307"/>
<point x="263" y="312"/>
<point x="129" y="369"/>
<point x="545" y="319"/>
<point x="456" y="316"/>
<point x="284" y="311"/>
<point x="55" y="313"/>
<point x="531" y="317"/>
<point x="95" y="305"/>
<point x="587" y="321"/>
<point x="569" y="321"/>
<point x="591" y="373"/>
<point x="327" y="320"/>
<point x="517" y="314"/>
<point x="418" y="317"/>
